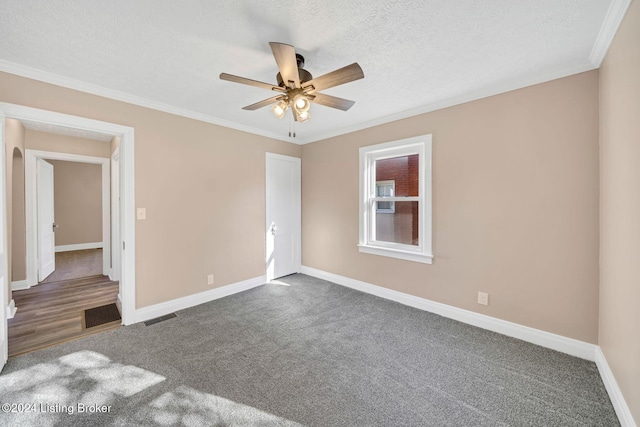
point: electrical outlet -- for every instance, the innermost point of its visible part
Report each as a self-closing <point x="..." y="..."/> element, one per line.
<point x="210" y="279"/>
<point x="483" y="298"/>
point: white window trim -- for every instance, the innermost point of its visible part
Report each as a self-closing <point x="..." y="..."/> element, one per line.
<point x="420" y="145"/>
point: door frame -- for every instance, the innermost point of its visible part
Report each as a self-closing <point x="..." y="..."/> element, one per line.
<point x="4" y="265"/>
<point x="31" y="158"/>
<point x="127" y="190"/>
<point x="269" y="267"/>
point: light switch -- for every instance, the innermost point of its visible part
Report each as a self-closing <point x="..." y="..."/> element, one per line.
<point x="141" y="213"/>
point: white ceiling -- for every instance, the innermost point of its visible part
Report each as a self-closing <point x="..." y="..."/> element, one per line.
<point x="417" y="55"/>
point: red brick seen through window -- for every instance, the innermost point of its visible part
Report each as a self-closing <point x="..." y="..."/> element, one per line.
<point x="402" y="225"/>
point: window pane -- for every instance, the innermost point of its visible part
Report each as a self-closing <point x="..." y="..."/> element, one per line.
<point x="403" y="170"/>
<point x="401" y="226"/>
<point x="384" y="190"/>
<point x="385" y="206"/>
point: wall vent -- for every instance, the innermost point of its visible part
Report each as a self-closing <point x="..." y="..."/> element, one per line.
<point x="160" y="319"/>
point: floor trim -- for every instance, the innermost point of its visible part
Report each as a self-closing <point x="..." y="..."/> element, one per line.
<point x="11" y="309"/>
<point x="535" y="336"/>
<point x="20" y="285"/>
<point x="615" y="394"/>
<point x="157" y="310"/>
<point x="79" y="247"/>
<point x="118" y="302"/>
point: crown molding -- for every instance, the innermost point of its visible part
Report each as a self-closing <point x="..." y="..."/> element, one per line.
<point x="608" y="30"/>
<point x="496" y="89"/>
<point x="501" y="87"/>
<point x="58" y="80"/>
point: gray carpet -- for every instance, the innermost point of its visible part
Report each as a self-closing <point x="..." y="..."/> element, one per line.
<point x="304" y="352"/>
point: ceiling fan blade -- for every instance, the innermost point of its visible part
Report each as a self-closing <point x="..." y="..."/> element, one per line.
<point x="237" y="79"/>
<point x="285" y="56"/>
<point x="263" y="103"/>
<point x="331" y="101"/>
<point x="335" y="78"/>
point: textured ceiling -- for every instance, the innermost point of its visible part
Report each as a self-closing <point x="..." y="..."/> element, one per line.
<point x="417" y="55"/>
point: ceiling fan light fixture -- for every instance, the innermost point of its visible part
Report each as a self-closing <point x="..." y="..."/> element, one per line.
<point x="304" y="116"/>
<point x="279" y="109"/>
<point x="301" y="103"/>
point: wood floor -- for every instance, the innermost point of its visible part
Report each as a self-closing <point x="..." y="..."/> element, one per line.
<point x="51" y="313"/>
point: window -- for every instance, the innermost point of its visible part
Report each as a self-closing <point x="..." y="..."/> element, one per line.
<point x="385" y="189"/>
<point x="395" y="199"/>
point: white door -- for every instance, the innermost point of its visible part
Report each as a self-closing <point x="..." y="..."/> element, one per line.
<point x="4" y="289"/>
<point x="283" y="215"/>
<point x="46" y="225"/>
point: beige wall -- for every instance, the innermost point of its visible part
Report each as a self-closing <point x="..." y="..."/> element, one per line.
<point x="44" y="141"/>
<point x="202" y="185"/>
<point x="620" y="208"/>
<point x="14" y="138"/>
<point x="77" y="202"/>
<point x="515" y="184"/>
<point x="18" y="248"/>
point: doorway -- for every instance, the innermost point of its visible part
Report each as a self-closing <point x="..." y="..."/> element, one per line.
<point x="40" y="230"/>
<point x="283" y="222"/>
<point x="67" y="238"/>
<point x="124" y="247"/>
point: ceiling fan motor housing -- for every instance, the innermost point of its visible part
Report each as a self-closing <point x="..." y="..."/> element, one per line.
<point x="305" y="76"/>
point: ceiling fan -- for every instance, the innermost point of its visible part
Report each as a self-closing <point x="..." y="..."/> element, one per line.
<point x="296" y="87"/>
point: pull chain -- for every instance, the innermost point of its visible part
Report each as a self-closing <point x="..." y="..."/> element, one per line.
<point x="292" y="127"/>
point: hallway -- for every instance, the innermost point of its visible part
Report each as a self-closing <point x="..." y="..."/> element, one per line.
<point x="53" y="311"/>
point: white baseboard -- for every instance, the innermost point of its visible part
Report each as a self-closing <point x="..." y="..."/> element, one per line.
<point x="535" y="336"/>
<point x="19" y="285"/>
<point x="79" y="247"/>
<point x="615" y="394"/>
<point x="119" y="304"/>
<point x="11" y="309"/>
<point x="157" y="310"/>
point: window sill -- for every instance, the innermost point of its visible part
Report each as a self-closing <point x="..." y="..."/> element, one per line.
<point x="396" y="253"/>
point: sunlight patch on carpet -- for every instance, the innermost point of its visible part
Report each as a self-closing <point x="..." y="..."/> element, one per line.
<point x="190" y="407"/>
<point x="82" y="377"/>
<point x="278" y="282"/>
